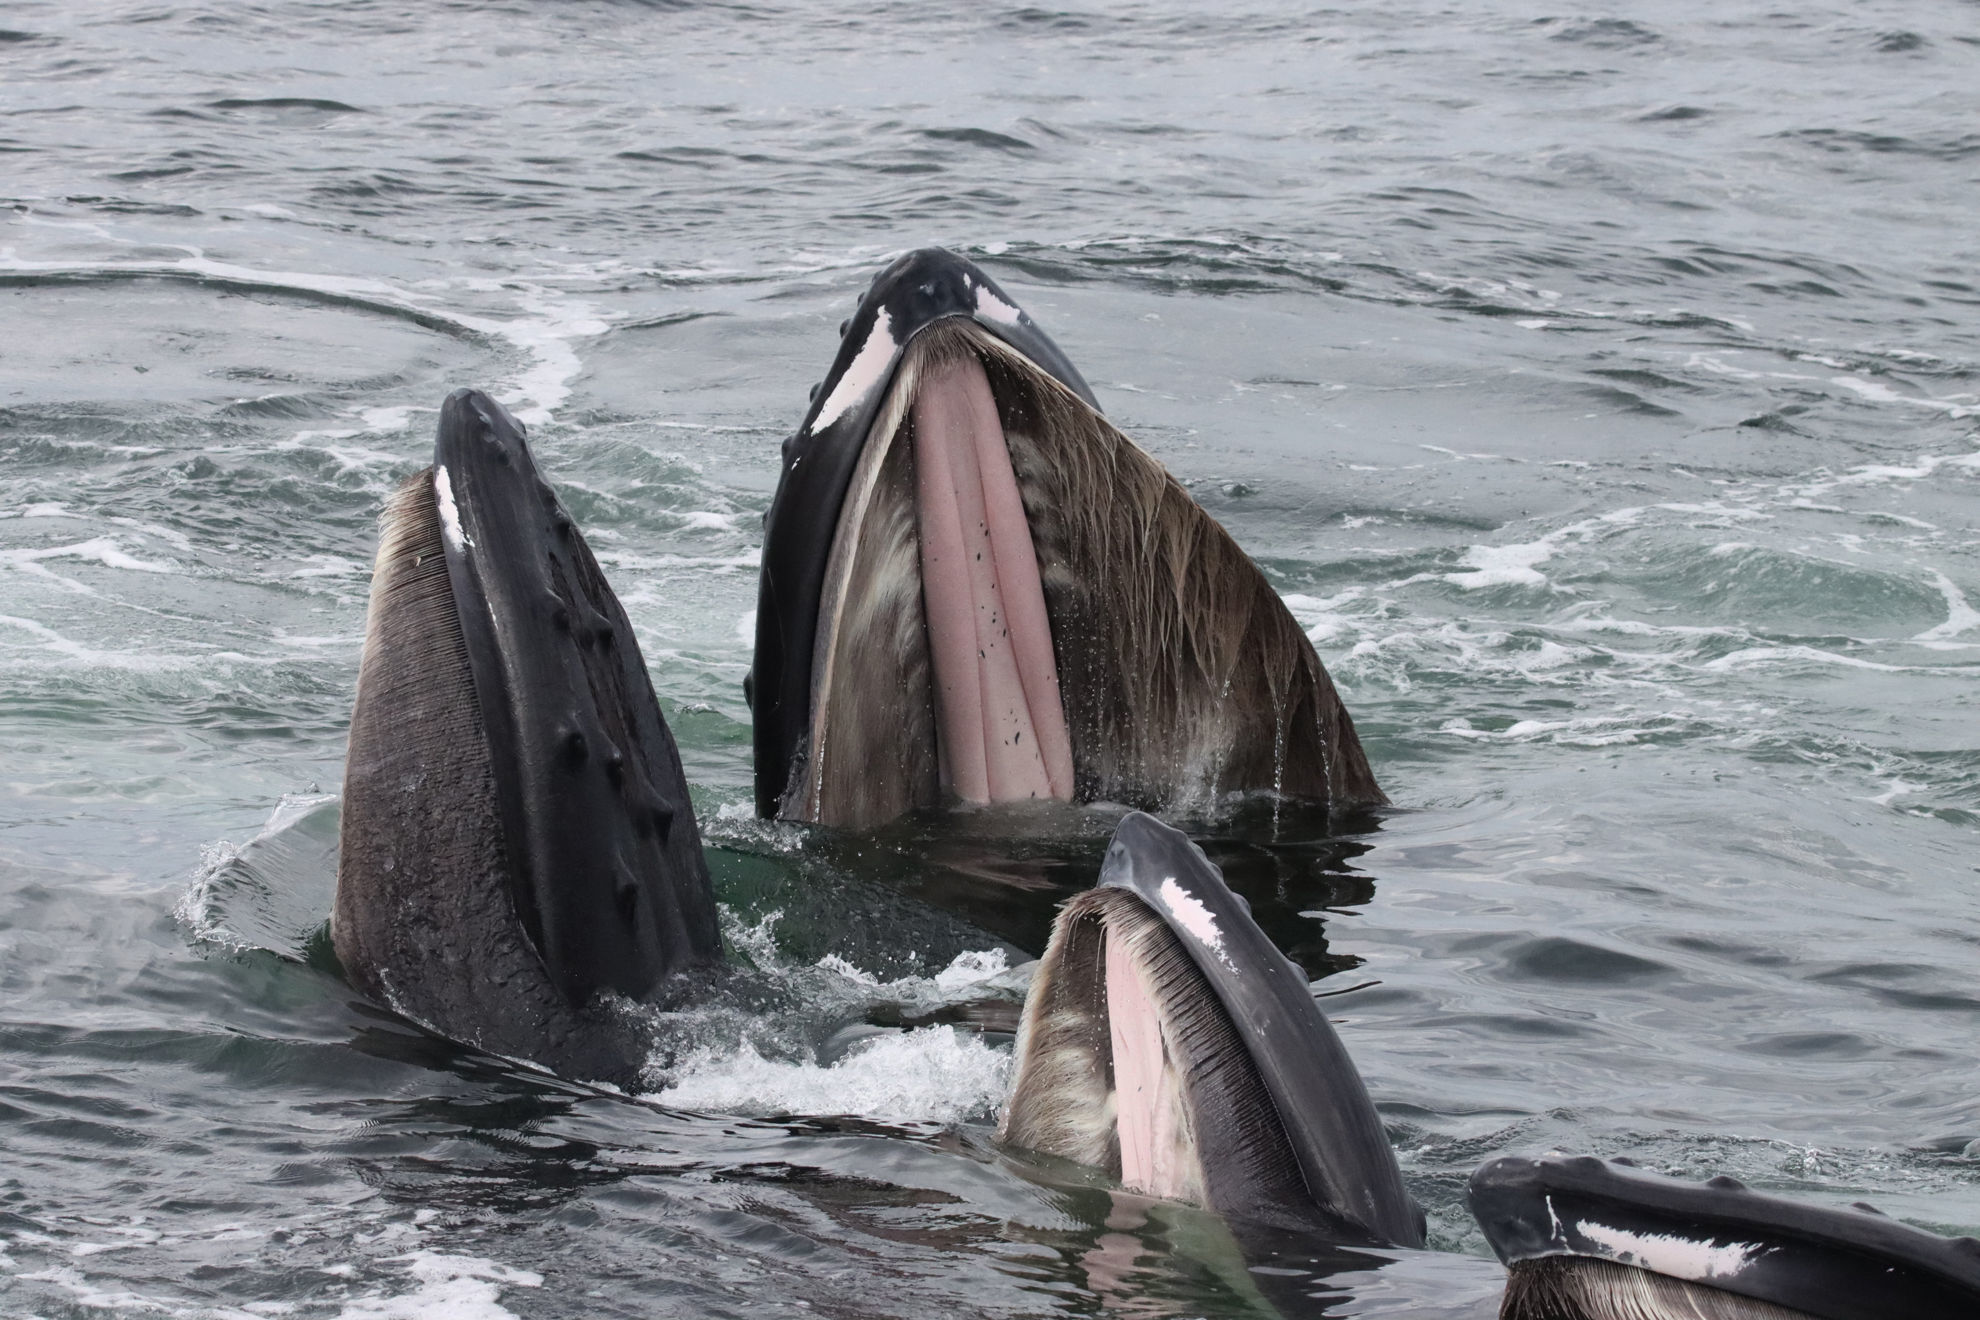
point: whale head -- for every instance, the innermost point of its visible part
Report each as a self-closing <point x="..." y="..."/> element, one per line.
<point x="975" y="588"/>
<point x="516" y="835"/>
<point x="1587" y="1239"/>
<point x="1168" y="1043"/>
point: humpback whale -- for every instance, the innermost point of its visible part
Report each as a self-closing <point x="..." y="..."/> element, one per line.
<point x="974" y="587"/>
<point x="518" y="851"/>
<point x="516" y="833"/>
<point x="1167" y="1042"/>
<point x="1585" y="1239"/>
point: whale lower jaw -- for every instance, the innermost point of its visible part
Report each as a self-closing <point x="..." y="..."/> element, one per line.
<point x="1571" y="1288"/>
<point x="1112" y="642"/>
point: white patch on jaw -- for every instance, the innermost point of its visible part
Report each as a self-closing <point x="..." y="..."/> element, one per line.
<point x="1192" y="916"/>
<point x="990" y="305"/>
<point x="450" y="516"/>
<point x="866" y="371"/>
<point x="1665" y="1253"/>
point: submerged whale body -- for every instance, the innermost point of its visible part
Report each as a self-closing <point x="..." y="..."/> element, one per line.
<point x="516" y="835"/>
<point x="974" y="587"/>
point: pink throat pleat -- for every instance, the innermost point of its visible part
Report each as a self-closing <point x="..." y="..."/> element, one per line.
<point x="1144" y="1108"/>
<point x="1002" y="725"/>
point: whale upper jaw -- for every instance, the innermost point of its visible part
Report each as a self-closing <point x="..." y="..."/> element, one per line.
<point x="516" y="837"/>
<point x="974" y="587"/>
<point x="1166" y="1041"/>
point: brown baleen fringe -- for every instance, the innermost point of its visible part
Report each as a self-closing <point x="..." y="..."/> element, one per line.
<point x="1063" y="1102"/>
<point x="1183" y="675"/>
<point x="1062" y="1098"/>
<point x="1574" y="1288"/>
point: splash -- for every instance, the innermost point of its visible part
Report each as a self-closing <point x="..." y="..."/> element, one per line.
<point x="793" y="1038"/>
<point x="931" y="1075"/>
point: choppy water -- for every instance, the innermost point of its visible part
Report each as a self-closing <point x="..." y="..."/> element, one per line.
<point x="1602" y="389"/>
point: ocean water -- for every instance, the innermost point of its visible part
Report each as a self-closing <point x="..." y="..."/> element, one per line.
<point x="1601" y="389"/>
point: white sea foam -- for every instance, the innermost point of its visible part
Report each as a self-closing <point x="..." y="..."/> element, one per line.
<point x="93" y="1295"/>
<point x="1878" y="392"/>
<point x="1323" y="618"/>
<point x="740" y="1061"/>
<point x="1872" y="474"/>
<point x="387" y="418"/>
<point x="1516" y="565"/>
<point x="102" y="549"/>
<point x="1893" y="790"/>
<point x="547" y="334"/>
<point x="447" y="1287"/>
<point x="1960" y="615"/>
<point x="1754" y="656"/>
<point x="1503" y="566"/>
<point x="141" y="661"/>
<point x="316" y="566"/>
<point x="1589" y="731"/>
<point x="930" y="1075"/>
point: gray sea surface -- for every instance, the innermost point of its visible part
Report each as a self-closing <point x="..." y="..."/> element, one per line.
<point x="1601" y="387"/>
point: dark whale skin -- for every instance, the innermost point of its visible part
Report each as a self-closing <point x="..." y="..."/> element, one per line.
<point x="516" y="836"/>
<point x="1852" y="1264"/>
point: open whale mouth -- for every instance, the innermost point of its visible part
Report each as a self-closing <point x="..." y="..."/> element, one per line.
<point x="1168" y="1044"/>
<point x="976" y="588"/>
